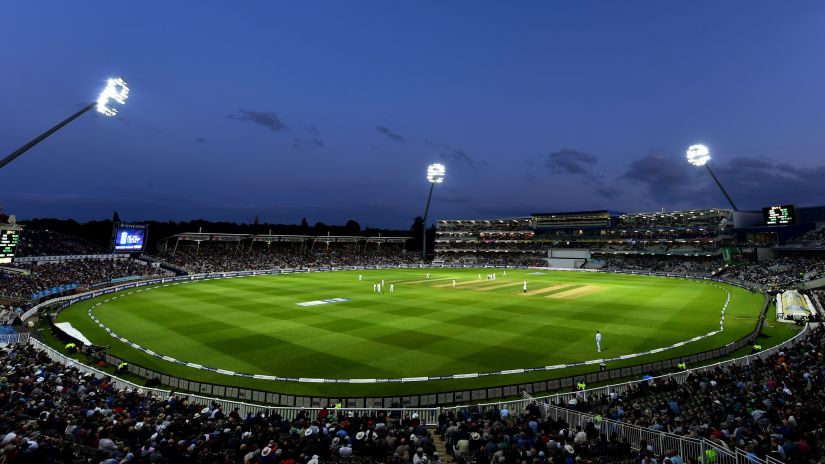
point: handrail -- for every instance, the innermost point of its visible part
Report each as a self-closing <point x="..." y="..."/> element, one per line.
<point x="426" y="415"/>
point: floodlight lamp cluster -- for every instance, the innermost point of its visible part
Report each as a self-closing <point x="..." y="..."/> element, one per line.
<point x="435" y="173"/>
<point x="117" y="90"/>
<point x="698" y="155"/>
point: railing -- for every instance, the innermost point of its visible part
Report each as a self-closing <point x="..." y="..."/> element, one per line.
<point x="13" y="339"/>
<point x="686" y="447"/>
<point x="661" y="441"/>
<point x="428" y="416"/>
<point x="679" y="377"/>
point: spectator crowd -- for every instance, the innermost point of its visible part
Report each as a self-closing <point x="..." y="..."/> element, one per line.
<point x="52" y="413"/>
<point x="782" y="272"/>
<point x="216" y="259"/>
<point x="44" y="275"/>
<point x="773" y="407"/>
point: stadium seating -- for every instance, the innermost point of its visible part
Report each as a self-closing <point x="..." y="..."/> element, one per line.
<point x="85" y="272"/>
<point x="770" y="408"/>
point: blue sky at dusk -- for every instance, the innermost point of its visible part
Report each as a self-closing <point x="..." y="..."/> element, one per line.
<point x="332" y="110"/>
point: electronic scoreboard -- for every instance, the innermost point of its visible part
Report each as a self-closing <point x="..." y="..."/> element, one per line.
<point x="779" y="215"/>
<point x="9" y="238"/>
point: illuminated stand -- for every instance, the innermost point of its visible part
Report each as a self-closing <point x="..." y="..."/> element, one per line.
<point x="699" y="155"/>
<point x="435" y="175"/>
<point x="116" y="90"/>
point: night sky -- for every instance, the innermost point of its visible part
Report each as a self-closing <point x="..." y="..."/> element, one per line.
<point x="332" y="110"/>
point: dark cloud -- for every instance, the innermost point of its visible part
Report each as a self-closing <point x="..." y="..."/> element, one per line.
<point x="300" y="144"/>
<point x="267" y="119"/>
<point x="570" y="161"/>
<point x="200" y="140"/>
<point x="755" y="182"/>
<point x="607" y="191"/>
<point x="752" y="182"/>
<point x="389" y="133"/>
<point x="456" y="156"/>
<point x="667" y="178"/>
<point x="312" y="139"/>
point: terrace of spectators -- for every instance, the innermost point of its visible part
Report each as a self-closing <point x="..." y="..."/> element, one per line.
<point x="208" y="252"/>
<point x="685" y="233"/>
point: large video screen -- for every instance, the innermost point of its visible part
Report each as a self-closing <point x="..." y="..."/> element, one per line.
<point x="9" y="238"/>
<point x="779" y="215"/>
<point x="129" y="238"/>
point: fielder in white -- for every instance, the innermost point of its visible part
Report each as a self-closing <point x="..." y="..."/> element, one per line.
<point x="392" y="288"/>
<point x="525" y="286"/>
<point x="453" y="283"/>
<point x="598" y="341"/>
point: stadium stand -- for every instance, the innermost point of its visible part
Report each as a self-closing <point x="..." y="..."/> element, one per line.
<point x="766" y="408"/>
<point x="813" y="239"/>
<point x="53" y="413"/>
<point x="49" y="243"/>
<point x="770" y="407"/>
<point x="526" y="241"/>
<point x="780" y="273"/>
<point x="200" y="252"/>
<point x="84" y="272"/>
<point x="496" y="242"/>
<point x="677" y="265"/>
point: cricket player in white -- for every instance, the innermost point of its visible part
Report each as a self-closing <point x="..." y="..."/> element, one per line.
<point x="598" y="341"/>
<point x="428" y="275"/>
<point x="453" y="283"/>
<point x="382" y="282"/>
<point x="525" y="286"/>
<point x="505" y="273"/>
<point x="359" y="277"/>
<point x="392" y="288"/>
<point x="379" y="288"/>
<point x="374" y="288"/>
<point x="479" y="277"/>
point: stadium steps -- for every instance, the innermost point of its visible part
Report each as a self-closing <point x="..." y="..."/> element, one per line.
<point x="441" y="447"/>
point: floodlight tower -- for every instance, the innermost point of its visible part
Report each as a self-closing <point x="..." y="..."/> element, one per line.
<point x="699" y="155"/>
<point x="116" y="89"/>
<point x="435" y="175"/>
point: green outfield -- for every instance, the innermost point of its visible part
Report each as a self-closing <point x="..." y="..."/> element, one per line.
<point x="426" y="327"/>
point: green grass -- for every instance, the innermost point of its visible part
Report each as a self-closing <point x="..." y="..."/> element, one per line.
<point x="254" y="325"/>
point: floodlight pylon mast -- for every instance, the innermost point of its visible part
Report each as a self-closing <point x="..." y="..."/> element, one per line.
<point x="426" y="211"/>
<point x="8" y="159"/>
<point x="730" y="200"/>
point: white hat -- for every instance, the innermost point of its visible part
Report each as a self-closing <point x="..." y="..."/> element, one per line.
<point x="569" y="449"/>
<point x="359" y="435"/>
<point x="265" y="452"/>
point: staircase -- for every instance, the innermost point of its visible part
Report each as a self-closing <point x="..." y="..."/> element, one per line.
<point x="441" y="447"/>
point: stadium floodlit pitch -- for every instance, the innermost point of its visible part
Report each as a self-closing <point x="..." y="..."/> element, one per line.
<point x="426" y="327"/>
